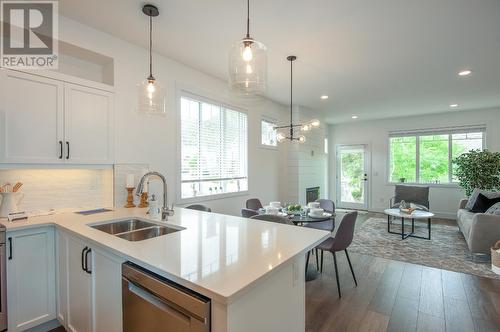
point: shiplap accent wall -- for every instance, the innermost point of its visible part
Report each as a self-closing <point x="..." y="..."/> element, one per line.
<point x="61" y="189"/>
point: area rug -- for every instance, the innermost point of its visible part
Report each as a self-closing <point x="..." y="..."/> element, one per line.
<point x="446" y="250"/>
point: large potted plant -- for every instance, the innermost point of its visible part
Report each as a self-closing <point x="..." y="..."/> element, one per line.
<point x="478" y="169"/>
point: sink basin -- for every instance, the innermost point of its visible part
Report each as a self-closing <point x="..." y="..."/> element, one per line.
<point x="134" y="229"/>
<point x="123" y="226"/>
<point x="147" y="233"/>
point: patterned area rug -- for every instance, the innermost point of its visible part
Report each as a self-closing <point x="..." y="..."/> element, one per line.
<point x="446" y="250"/>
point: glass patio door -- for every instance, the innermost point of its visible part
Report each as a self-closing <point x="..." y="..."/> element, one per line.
<point x="352" y="176"/>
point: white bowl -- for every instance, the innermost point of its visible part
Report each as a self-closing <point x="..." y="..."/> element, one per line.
<point x="316" y="212"/>
<point x="313" y="205"/>
<point x="272" y="210"/>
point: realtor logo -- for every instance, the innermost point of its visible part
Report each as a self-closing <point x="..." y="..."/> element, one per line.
<point x="29" y="34"/>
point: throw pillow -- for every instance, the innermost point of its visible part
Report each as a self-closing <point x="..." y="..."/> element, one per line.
<point x="483" y="203"/>
<point x="494" y="209"/>
<point x="475" y="193"/>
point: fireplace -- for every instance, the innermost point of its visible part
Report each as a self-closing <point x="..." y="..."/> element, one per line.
<point x="312" y="194"/>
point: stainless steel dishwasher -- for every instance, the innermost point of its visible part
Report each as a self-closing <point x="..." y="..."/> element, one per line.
<point x="152" y="303"/>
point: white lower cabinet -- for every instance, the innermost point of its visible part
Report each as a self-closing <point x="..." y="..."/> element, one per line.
<point x="89" y="286"/>
<point x="31" y="281"/>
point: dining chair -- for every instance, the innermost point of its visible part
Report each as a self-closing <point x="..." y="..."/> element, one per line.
<point x="341" y="241"/>
<point x="199" y="207"/>
<point x="247" y="213"/>
<point x="327" y="225"/>
<point x="254" y="204"/>
<point x="326" y="204"/>
<point x="273" y="218"/>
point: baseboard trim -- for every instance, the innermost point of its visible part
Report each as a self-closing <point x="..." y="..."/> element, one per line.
<point x="47" y="326"/>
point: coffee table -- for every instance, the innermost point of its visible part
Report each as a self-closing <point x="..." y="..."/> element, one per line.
<point x="417" y="214"/>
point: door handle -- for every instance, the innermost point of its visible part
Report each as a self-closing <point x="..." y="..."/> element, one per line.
<point x="67" y="148"/>
<point x="84" y="268"/>
<point x="10" y="248"/>
<point x="60" y="149"/>
<point x="89" y="271"/>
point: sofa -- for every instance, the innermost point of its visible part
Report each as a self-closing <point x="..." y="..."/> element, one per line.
<point x="480" y="230"/>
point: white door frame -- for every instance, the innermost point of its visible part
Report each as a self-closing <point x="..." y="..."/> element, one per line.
<point x="367" y="160"/>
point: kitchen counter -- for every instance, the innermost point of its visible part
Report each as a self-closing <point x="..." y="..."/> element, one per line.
<point x="217" y="255"/>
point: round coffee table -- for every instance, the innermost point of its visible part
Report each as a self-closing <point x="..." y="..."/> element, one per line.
<point x="417" y="214"/>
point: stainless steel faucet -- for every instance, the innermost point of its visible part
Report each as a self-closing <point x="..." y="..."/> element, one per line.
<point x="165" y="211"/>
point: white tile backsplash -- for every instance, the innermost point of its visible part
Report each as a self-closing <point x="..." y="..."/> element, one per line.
<point x="121" y="171"/>
<point x="62" y="189"/>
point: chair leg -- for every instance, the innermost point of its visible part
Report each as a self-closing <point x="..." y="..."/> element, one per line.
<point x="307" y="259"/>
<point x="317" y="259"/>
<point x="321" y="268"/>
<point x="336" y="272"/>
<point x="350" y="266"/>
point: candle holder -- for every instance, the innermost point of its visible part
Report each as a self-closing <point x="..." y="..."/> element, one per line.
<point x="144" y="200"/>
<point x="130" y="198"/>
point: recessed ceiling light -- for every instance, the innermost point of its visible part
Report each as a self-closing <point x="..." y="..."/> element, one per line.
<point x="465" y="72"/>
<point x="354" y="116"/>
<point x="453" y="105"/>
<point x="324" y="97"/>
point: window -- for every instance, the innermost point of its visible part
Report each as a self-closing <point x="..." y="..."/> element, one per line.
<point x="213" y="149"/>
<point x="268" y="133"/>
<point x="427" y="156"/>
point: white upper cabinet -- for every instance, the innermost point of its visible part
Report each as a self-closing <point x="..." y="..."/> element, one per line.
<point x="88" y="125"/>
<point x="45" y="120"/>
<point x="31" y="118"/>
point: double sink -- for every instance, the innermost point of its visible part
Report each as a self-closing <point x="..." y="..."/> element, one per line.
<point x="134" y="229"/>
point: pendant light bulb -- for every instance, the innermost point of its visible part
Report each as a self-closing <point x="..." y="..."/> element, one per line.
<point x="315" y="123"/>
<point x="247" y="54"/>
<point x="151" y="86"/>
<point x="280" y="137"/>
<point x="302" y="139"/>
<point x="305" y="127"/>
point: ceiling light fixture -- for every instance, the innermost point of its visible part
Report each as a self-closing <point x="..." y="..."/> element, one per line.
<point x="151" y="96"/>
<point x="465" y="72"/>
<point x="453" y="105"/>
<point x="304" y="127"/>
<point x="354" y="116"/>
<point x="324" y="97"/>
<point x="248" y="64"/>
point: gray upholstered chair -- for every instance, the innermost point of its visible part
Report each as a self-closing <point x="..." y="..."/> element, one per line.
<point x="253" y="204"/>
<point x="327" y="225"/>
<point x="247" y="213"/>
<point x="418" y="195"/>
<point x="199" y="207"/>
<point x="341" y="241"/>
<point x="273" y="218"/>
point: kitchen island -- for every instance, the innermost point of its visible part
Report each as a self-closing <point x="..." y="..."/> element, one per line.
<point x="252" y="271"/>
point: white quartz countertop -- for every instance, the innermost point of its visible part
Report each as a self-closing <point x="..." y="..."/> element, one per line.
<point x="217" y="255"/>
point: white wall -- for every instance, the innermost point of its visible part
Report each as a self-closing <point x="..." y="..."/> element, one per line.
<point x="153" y="140"/>
<point x="443" y="199"/>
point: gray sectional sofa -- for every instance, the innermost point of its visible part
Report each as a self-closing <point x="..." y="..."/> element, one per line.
<point x="480" y="230"/>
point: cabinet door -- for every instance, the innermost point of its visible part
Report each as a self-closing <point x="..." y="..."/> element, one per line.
<point x="31" y="111"/>
<point x="61" y="276"/>
<point x="30" y="301"/>
<point x="89" y="118"/>
<point x="107" y="273"/>
<point x="79" y="291"/>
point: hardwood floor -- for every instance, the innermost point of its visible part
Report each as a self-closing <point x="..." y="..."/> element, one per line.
<point x="399" y="296"/>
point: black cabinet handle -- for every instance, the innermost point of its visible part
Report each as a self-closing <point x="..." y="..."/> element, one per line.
<point x="60" y="149"/>
<point x="10" y="248"/>
<point x="83" y="262"/>
<point x="67" y="148"/>
<point x="89" y="271"/>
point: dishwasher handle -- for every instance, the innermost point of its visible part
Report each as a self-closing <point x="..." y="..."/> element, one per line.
<point x="156" y="301"/>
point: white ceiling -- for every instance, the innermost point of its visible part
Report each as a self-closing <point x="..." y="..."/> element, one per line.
<point x="374" y="59"/>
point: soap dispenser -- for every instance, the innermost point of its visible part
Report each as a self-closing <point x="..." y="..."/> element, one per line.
<point x="154" y="210"/>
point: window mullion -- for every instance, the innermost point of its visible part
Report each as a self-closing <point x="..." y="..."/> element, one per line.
<point x="417" y="159"/>
<point x="450" y="158"/>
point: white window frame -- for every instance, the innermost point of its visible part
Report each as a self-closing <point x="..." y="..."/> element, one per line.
<point x="187" y="94"/>
<point x="426" y="132"/>
<point x="273" y="122"/>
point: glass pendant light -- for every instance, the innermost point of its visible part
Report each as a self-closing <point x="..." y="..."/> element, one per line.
<point x="304" y="127"/>
<point x="151" y="94"/>
<point x="248" y="64"/>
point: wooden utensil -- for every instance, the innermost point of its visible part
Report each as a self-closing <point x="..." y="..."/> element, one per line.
<point x="17" y="186"/>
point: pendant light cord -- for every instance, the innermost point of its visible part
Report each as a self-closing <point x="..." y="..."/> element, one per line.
<point x="291" y="99"/>
<point x="150" y="46"/>
<point x="248" y="19"/>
